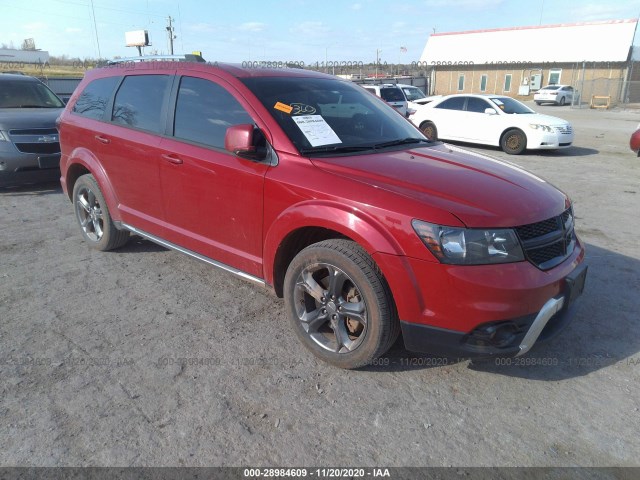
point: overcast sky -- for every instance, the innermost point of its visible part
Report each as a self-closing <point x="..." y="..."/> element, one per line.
<point x="283" y="30"/>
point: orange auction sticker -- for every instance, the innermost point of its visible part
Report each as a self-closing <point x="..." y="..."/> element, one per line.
<point x="283" y="108"/>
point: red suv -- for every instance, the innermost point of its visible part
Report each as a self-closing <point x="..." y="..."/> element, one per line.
<point x="310" y="185"/>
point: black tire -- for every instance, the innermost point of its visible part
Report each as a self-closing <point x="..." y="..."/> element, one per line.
<point x="513" y="142"/>
<point x="319" y="309"/>
<point x="93" y="216"/>
<point x="538" y="103"/>
<point x="429" y="130"/>
<point x="562" y="101"/>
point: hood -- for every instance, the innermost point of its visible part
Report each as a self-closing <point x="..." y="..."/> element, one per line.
<point x="543" y="119"/>
<point x="481" y="191"/>
<point x="22" y="118"/>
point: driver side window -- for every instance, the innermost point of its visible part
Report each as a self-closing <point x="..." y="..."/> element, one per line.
<point x="204" y="111"/>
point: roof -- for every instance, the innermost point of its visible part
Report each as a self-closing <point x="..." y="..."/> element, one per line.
<point x="562" y="43"/>
<point x="7" y="77"/>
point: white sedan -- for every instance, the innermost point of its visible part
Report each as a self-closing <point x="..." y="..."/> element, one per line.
<point x="557" y="94"/>
<point x="492" y="120"/>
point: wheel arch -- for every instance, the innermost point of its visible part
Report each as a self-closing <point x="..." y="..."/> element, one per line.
<point x="303" y="225"/>
<point x="84" y="162"/>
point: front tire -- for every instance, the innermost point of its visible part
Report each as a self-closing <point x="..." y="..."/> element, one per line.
<point x="513" y="142"/>
<point x="430" y="131"/>
<point x="93" y="216"/>
<point x="339" y="304"/>
<point x="562" y="101"/>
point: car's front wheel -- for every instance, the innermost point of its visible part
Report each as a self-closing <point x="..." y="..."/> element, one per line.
<point x="562" y="101"/>
<point x="513" y="142"/>
<point x="93" y="216"/>
<point x="429" y="130"/>
<point x="339" y="304"/>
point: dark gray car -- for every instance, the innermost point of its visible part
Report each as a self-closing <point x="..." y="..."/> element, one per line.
<point x="29" y="143"/>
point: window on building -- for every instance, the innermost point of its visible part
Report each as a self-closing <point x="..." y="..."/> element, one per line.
<point x="461" y="82"/>
<point x="554" y="76"/>
<point x="139" y="102"/>
<point x="507" y="82"/>
<point x="205" y="110"/>
<point x="483" y="83"/>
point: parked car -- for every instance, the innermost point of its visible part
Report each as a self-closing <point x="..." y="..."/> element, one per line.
<point x="392" y="94"/>
<point x="634" y="142"/>
<point x="29" y="146"/>
<point x="309" y="185"/>
<point x="556" y="94"/>
<point x="492" y="120"/>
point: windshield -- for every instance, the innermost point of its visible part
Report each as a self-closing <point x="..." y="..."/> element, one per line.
<point x="510" y="105"/>
<point x="323" y="116"/>
<point x="27" y="94"/>
<point x="413" y="93"/>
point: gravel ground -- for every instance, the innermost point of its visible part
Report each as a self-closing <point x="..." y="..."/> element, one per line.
<point x="144" y="356"/>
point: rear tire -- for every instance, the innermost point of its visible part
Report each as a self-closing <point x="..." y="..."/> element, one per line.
<point x="339" y="304"/>
<point x="430" y="131"/>
<point x="93" y="216"/>
<point x="538" y="103"/>
<point x="513" y="142"/>
<point x="562" y="101"/>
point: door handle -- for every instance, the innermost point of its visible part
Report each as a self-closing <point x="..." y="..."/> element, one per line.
<point x="102" y="139"/>
<point x="171" y="158"/>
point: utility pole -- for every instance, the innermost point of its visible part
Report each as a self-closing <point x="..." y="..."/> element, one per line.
<point x="170" y="34"/>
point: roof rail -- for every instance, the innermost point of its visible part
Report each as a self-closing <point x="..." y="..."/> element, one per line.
<point x="188" y="57"/>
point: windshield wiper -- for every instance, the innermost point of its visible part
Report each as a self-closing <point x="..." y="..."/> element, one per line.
<point x="337" y="149"/>
<point x="402" y="141"/>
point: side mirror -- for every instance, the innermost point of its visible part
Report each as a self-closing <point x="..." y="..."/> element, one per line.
<point x="490" y="111"/>
<point x="240" y="140"/>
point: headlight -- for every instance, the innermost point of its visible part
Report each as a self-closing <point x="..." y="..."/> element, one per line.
<point x="544" y="128"/>
<point x="469" y="246"/>
<point x="3" y="137"/>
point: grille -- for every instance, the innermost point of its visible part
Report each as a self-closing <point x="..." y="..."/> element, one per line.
<point x="41" y="148"/>
<point x="548" y="243"/>
<point x="566" y="129"/>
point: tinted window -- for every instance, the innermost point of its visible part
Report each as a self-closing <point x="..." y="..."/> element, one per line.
<point x="455" y="103"/>
<point x="205" y="110"/>
<point x="392" y="94"/>
<point x="27" y="94"/>
<point x="93" y="100"/>
<point x="139" y="102"/>
<point x="477" y="105"/>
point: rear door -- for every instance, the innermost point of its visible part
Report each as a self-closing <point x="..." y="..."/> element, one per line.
<point x="213" y="199"/>
<point x="130" y="148"/>
<point x="449" y="118"/>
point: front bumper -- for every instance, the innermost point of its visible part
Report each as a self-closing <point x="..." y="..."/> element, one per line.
<point x="537" y="140"/>
<point x="19" y="168"/>
<point x="449" y="310"/>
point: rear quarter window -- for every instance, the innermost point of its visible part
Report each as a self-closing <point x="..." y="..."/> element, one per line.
<point x="95" y="97"/>
<point x="140" y="100"/>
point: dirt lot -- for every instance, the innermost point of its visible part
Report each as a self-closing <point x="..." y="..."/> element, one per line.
<point x="146" y="357"/>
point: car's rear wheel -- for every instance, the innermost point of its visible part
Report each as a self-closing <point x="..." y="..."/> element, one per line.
<point x="339" y="304"/>
<point x="538" y="103"/>
<point x="429" y="130"/>
<point x="93" y="216"/>
<point x="513" y="142"/>
<point x="562" y="101"/>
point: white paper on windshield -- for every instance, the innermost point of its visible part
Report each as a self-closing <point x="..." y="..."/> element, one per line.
<point x="317" y="131"/>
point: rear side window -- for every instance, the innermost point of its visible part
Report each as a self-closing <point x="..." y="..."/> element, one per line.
<point x="139" y="102"/>
<point x="455" y="103"/>
<point x="204" y="111"/>
<point x="477" y="105"/>
<point x="392" y="94"/>
<point x="95" y="97"/>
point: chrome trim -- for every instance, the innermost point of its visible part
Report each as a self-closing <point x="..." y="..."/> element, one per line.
<point x="208" y="260"/>
<point x="547" y="311"/>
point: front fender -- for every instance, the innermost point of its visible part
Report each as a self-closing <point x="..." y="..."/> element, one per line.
<point x="84" y="157"/>
<point x="344" y="219"/>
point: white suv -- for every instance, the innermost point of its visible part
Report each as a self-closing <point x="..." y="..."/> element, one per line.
<point x="390" y="93"/>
